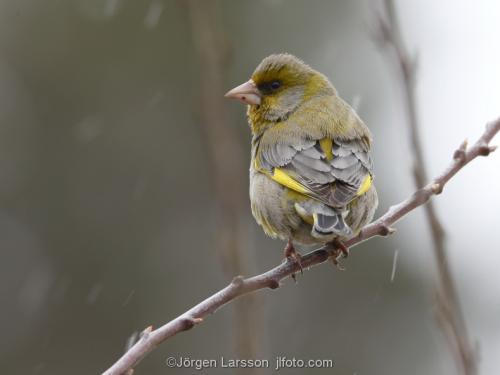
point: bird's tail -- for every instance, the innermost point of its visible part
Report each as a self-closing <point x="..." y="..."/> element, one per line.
<point x="327" y="225"/>
<point x="327" y="221"/>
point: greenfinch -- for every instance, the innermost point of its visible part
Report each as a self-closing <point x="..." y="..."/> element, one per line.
<point x="311" y="172"/>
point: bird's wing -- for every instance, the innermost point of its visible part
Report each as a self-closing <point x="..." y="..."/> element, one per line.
<point x="331" y="171"/>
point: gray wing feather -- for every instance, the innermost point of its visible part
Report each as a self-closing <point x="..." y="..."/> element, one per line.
<point x="338" y="150"/>
<point x="342" y="194"/>
<point x="309" y="175"/>
<point x="366" y="159"/>
<point x="306" y="144"/>
<point x="357" y="148"/>
<point x="335" y="182"/>
<point x="312" y="153"/>
<point x="281" y="154"/>
<point x="344" y="162"/>
<point x="349" y="174"/>
<point x="317" y="164"/>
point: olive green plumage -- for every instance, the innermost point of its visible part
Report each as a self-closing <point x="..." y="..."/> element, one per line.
<point x="311" y="171"/>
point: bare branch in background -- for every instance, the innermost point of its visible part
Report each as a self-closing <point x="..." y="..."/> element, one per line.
<point x="225" y="158"/>
<point x="389" y="35"/>
<point x="272" y="278"/>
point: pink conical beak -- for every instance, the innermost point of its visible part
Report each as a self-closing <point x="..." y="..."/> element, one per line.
<point x="247" y="93"/>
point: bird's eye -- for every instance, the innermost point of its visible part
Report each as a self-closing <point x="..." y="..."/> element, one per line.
<point x="275" y="85"/>
<point x="268" y="88"/>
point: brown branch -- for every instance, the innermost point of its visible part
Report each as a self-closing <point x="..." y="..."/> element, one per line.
<point x="272" y="278"/>
<point x="389" y="34"/>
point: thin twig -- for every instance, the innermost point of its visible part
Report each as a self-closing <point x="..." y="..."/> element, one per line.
<point x="272" y="278"/>
<point x="389" y="34"/>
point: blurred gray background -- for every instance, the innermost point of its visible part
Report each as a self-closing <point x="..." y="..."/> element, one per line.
<point x="124" y="184"/>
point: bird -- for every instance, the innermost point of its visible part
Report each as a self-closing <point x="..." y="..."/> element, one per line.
<point x="311" y="169"/>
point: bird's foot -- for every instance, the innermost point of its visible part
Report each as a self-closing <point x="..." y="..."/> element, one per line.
<point x="339" y="249"/>
<point x="292" y="255"/>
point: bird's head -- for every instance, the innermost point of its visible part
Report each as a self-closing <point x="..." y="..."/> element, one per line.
<point x="278" y="86"/>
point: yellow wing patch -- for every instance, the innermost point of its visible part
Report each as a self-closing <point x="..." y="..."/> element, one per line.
<point x="365" y="185"/>
<point x="284" y="179"/>
<point x="326" y="145"/>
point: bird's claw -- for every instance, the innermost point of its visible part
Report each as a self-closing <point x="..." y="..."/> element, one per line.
<point x="293" y="256"/>
<point x="336" y="263"/>
<point x="343" y="248"/>
<point x="340" y="249"/>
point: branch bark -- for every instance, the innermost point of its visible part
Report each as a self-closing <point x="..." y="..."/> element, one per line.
<point x="451" y="316"/>
<point x="272" y="278"/>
